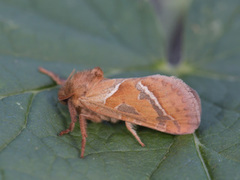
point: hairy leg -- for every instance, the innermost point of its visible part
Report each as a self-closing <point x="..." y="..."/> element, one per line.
<point x="90" y="115"/>
<point x="73" y="114"/>
<point x="130" y="127"/>
<point x="83" y="128"/>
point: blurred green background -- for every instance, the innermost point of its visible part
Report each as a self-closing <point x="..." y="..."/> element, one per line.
<point x="197" y="41"/>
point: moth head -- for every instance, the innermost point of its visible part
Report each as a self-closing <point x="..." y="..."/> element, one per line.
<point x="77" y="84"/>
<point x="62" y="97"/>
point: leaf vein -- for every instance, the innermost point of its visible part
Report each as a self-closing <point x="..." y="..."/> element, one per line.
<point x="24" y="124"/>
<point x="161" y="161"/>
<point x="197" y="144"/>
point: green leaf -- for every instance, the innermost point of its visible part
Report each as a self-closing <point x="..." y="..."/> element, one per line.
<point x="125" y="38"/>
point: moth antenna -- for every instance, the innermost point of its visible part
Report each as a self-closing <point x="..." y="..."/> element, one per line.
<point x="55" y="77"/>
<point x="69" y="77"/>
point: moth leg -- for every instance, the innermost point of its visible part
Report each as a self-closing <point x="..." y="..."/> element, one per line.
<point x="83" y="128"/>
<point x="55" y="77"/>
<point x="73" y="114"/>
<point x="130" y="127"/>
<point x="91" y="116"/>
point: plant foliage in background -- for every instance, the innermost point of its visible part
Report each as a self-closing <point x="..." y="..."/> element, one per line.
<point x="126" y="38"/>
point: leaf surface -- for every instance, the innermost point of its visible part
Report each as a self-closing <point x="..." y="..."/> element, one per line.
<point x="126" y="39"/>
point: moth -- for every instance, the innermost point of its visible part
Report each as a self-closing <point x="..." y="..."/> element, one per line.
<point x="162" y="103"/>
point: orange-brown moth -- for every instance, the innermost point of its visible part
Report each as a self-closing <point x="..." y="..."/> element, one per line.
<point x="158" y="102"/>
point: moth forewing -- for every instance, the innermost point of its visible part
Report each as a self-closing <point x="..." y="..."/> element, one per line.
<point x="158" y="102"/>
